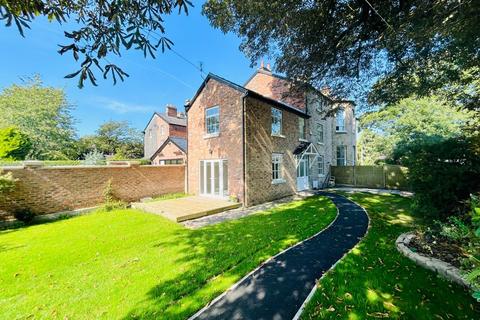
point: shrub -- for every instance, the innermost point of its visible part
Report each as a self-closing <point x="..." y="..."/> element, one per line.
<point x="110" y="202"/>
<point x="442" y="173"/>
<point x="7" y="182"/>
<point x="14" y="145"/>
<point x="24" y="215"/>
<point x="455" y="229"/>
<point x="94" y="158"/>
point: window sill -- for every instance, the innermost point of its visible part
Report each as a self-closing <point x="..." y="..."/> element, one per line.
<point x="340" y="131"/>
<point x="278" y="181"/>
<point x="302" y="140"/>
<point x="211" y="135"/>
<point x="278" y="135"/>
<point x="321" y="143"/>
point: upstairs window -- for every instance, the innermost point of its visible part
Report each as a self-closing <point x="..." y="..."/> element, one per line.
<point x="276" y="122"/>
<point x="301" y="128"/>
<point x="341" y="155"/>
<point x="340" y="117"/>
<point x="212" y="120"/>
<point x="277" y="167"/>
<point x="320" y="132"/>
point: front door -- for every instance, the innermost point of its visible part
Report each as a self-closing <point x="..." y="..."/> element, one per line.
<point x="302" y="174"/>
<point x="214" y="178"/>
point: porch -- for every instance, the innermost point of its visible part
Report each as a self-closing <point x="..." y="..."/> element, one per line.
<point x="187" y="208"/>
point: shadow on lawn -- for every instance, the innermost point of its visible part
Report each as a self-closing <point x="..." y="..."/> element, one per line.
<point x="219" y="255"/>
<point x="376" y="281"/>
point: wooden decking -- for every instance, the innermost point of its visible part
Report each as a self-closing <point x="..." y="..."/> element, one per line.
<point x="187" y="208"/>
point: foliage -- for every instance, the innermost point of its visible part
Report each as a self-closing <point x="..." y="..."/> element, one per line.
<point x="115" y="138"/>
<point x="7" y="182"/>
<point x="169" y="196"/>
<point x="110" y="201"/>
<point x="43" y="114"/>
<point x="387" y="129"/>
<point x="24" y="215"/>
<point x="442" y="173"/>
<point x="14" y="145"/>
<point x="428" y="43"/>
<point x="455" y="229"/>
<point x="103" y="28"/>
<point x="375" y="281"/>
<point x="94" y="158"/>
<point x="165" y="270"/>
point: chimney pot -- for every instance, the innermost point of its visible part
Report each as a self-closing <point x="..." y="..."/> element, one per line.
<point x="268" y="67"/>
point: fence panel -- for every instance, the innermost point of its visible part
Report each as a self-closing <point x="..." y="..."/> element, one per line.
<point x="384" y="177"/>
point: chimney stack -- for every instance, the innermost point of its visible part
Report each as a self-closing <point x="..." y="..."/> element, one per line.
<point x="171" y="110"/>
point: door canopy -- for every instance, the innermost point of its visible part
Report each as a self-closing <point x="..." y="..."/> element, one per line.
<point x="305" y="150"/>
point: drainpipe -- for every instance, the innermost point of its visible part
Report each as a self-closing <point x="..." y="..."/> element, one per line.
<point x="244" y="151"/>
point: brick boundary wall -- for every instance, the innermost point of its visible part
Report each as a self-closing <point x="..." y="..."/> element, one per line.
<point x="45" y="190"/>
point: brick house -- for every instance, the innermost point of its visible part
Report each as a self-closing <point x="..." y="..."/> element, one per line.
<point x="260" y="141"/>
<point x="165" y="137"/>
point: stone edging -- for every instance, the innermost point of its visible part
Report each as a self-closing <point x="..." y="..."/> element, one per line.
<point x="444" y="269"/>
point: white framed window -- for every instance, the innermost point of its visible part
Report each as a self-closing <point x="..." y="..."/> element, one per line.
<point x="340" y="118"/>
<point x="320" y="132"/>
<point x="341" y="155"/>
<point x="276" y="121"/>
<point x="277" y="163"/>
<point x="321" y="166"/>
<point x="212" y="120"/>
<point x="301" y="128"/>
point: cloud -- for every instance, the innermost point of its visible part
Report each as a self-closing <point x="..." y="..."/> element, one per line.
<point x="123" y="107"/>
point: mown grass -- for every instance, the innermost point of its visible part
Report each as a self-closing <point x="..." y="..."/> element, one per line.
<point x="129" y="264"/>
<point x="376" y="281"/>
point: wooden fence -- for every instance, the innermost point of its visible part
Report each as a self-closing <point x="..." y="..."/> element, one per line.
<point x="380" y="177"/>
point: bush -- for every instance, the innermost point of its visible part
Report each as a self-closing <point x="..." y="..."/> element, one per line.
<point x="110" y="201"/>
<point x="24" y="215"/>
<point x="442" y="173"/>
<point x="14" y="145"/>
<point x="94" y="158"/>
<point x="7" y="182"/>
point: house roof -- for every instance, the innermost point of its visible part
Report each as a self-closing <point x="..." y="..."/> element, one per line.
<point x="181" y="143"/>
<point x="247" y="92"/>
<point x="168" y="119"/>
<point x="173" y="120"/>
<point x="301" y="147"/>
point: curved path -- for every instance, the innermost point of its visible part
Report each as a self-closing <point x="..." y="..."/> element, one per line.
<point x="279" y="287"/>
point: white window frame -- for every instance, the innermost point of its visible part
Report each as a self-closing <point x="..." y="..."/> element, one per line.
<point x="302" y="135"/>
<point x="342" y="161"/>
<point x="321" y="166"/>
<point x="216" y="127"/>
<point x="340" y="120"/>
<point x="277" y="116"/>
<point x="321" y="133"/>
<point x="277" y="168"/>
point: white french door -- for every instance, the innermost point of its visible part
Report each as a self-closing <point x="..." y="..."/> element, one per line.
<point x="214" y="178"/>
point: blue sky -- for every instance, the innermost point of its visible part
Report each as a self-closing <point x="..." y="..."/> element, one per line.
<point x="152" y="84"/>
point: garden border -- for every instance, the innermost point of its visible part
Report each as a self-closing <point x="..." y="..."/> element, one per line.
<point x="444" y="269"/>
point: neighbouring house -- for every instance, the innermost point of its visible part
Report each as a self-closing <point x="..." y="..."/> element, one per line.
<point x="165" y="137"/>
<point x="264" y="141"/>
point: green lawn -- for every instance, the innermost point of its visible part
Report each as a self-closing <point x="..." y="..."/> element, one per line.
<point x="129" y="264"/>
<point x="376" y="281"/>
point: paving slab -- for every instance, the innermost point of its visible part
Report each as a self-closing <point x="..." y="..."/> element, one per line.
<point x="187" y="208"/>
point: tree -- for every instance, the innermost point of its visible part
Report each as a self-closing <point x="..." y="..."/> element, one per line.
<point x="114" y="138"/>
<point x="14" y="145"/>
<point x="406" y="122"/>
<point x="399" y="43"/>
<point x="103" y="28"/>
<point x="43" y="114"/>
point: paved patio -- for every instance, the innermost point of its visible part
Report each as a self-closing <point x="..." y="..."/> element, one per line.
<point x="187" y="208"/>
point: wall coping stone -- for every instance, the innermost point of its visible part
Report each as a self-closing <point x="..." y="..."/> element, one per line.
<point x="444" y="269"/>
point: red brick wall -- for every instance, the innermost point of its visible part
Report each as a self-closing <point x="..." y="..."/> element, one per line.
<point x="276" y="88"/>
<point x="228" y="145"/>
<point x="178" y="131"/>
<point x="169" y="152"/>
<point x="55" y="189"/>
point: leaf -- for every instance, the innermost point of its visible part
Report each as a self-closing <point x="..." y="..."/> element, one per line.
<point x="476" y="295"/>
<point x="73" y="75"/>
